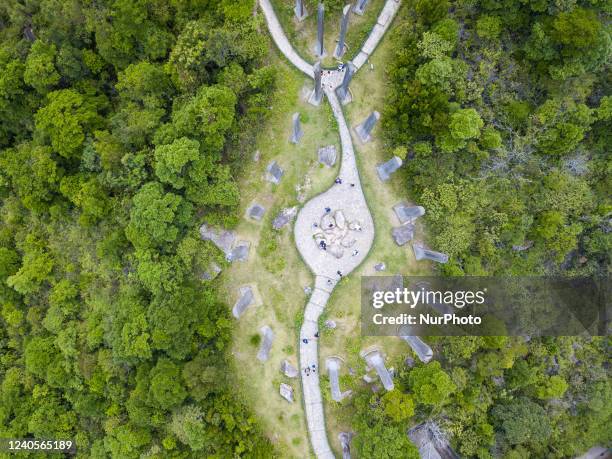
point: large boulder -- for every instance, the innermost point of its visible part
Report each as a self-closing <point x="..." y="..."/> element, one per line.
<point x="327" y="155"/>
<point x="289" y="370"/>
<point x="385" y="170"/>
<point x="286" y="392"/>
<point x="403" y="234"/>
<point x="407" y="213"/>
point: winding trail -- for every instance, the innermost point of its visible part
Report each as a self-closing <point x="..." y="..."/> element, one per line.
<point x="347" y="197"/>
<point x="281" y="40"/>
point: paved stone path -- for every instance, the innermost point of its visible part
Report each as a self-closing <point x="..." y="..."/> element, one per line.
<point x="347" y="197"/>
<point x="385" y="18"/>
<point x="281" y="40"/>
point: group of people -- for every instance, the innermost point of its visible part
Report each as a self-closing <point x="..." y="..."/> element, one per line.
<point x="312" y="368"/>
<point x="338" y="181"/>
<point x="305" y="340"/>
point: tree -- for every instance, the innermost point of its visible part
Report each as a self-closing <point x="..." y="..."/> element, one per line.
<point x="156" y="218"/>
<point x="552" y="387"/>
<point x="433" y="46"/>
<point x="431" y="385"/>
<point x="50" y="418"/>
<point x="397" y="405"/>
<point x="201" y="49"/>
<point x="39" y="353"/>
<point x="166" y="388"/>
<point x="385" y="442"/>
<point x="129" y="332"/>
<point x="65" y="120"/>
<point x="36" y="266"/>
<point x="206" y="182"/>
<point x="87" y="194"/>
<point x="448" y="29"/>
<point x="440" y="73"/>
<point x="430" y="12"/>
<point x="126" y="441"/>
<point x="464" y="124"/>
<point x="126" y="31"/>
<point x="173" y="319"/>
<point x="144" y="83"/>
<point x="523" y="422"/>
<point x="211" y="183"/>
<point x="188" y="426"/>
<point x="171" y="161"/>
<point x="40" y="71"/>
<point x="145" y="90"/>
<point x="490" y="138"/>
<point x="9" y="262"/>
<point x="203" y="375"/>
<point x="207" y="116"/>
<point x="33" y="173"/>
<point x="548" y="224"/>
<point x="62" y="305"/>
<point x="488" y="27"/>
<point x="560" y="125"/>
<point x="15" y="109"/>
<point x="576" y="30"/>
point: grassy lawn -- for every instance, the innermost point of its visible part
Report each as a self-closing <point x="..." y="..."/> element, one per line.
<point x="303" y="35"/>
<point x="275" y="267"/>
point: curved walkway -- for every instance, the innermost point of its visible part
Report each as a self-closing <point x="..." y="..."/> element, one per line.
<point x="347" y="197"/>
<point x="385" y="18"/>
<point x="281" y="40"/>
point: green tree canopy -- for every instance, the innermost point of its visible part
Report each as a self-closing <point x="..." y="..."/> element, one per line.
<point x="206" y="117"/>
<point x="40" y="71"/>
<point x="523" y="422"/>
<point x="167" y="388"/>
<point x="431" y="385"/>
<point x="156" y="218"/>
<point x="171" y="161"/>
<point x="65" y="120"/>
<point x="397" y="405"/>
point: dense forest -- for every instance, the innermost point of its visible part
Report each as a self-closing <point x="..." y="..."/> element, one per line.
<point x="502" y="110"/>
<point x="122" y="125"/>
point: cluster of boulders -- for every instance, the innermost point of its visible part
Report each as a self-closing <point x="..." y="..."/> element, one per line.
<point x="290" y="371"/>
<point x="334" y="233"/>
<point x="225" y="240"/>
<point x="407" y="215"/>
<point x="284" y="217"/>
